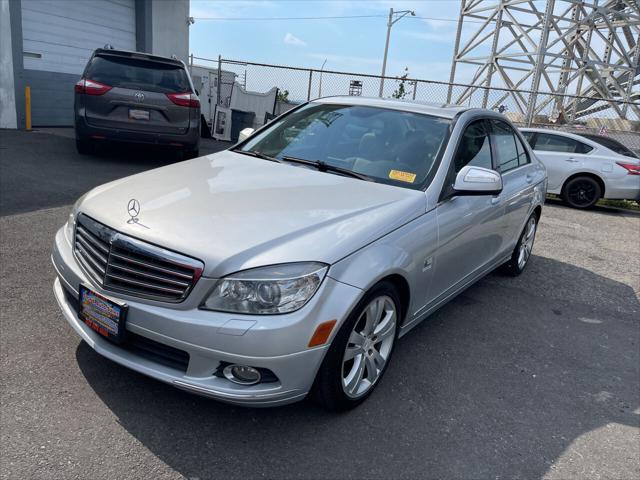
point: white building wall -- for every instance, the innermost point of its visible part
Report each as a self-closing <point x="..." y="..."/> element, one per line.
<point x="7" y="92"/>
<point x="170" y="30"/>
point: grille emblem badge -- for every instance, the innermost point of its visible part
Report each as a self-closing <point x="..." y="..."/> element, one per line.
<point x="133" y="209"/>
<point x="139" y="97"/>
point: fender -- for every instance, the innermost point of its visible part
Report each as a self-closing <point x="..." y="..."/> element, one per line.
<point x="408" y="252"/>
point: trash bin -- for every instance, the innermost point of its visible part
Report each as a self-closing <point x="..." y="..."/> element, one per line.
<point x="239" y="121"/>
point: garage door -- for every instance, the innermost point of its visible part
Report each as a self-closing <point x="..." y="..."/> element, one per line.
<point x="58" y="37"/>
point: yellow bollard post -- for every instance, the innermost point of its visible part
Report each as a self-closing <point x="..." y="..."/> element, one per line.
<point x="27" y="107"/>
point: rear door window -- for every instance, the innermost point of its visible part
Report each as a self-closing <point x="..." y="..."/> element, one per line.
<point x="546" y="142"/>
<point x="138" y="74"/>
<point x="523" y="156"/>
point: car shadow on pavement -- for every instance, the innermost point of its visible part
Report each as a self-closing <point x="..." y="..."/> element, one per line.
<point x="498" y="383"/>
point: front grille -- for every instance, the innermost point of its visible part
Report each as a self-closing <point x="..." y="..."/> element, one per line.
<point x="121" y="263"/>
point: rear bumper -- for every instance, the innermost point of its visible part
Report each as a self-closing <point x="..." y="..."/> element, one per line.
<point x="189" y="139"/>
<point x="627" y="188"/>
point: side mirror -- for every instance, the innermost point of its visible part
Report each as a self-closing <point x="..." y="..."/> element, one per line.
<point x="244" y="134"/>
<point x="477" y="181"/>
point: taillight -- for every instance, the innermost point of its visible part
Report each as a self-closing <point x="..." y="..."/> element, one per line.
<point x="91" y="87"/>
<point x="631" y="168"/>
<point x="184" y="99"/>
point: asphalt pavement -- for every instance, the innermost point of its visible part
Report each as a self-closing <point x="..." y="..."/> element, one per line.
<point x="530" y="377"/>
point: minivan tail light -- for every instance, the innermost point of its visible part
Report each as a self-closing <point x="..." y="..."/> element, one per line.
<point x="186" y="99"/>
<point x="91" y="87"/>
<point x="631" y="168"/>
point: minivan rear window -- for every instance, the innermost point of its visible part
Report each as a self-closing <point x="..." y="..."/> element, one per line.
<point x="138" y="74"/>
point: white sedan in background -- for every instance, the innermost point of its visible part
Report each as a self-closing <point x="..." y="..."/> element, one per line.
<point x="583" y="170"/>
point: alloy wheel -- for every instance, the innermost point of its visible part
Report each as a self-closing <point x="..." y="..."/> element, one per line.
<point x="369" y="346"/>
<point x="526" y="244"/>
<point x="582" y="193"/>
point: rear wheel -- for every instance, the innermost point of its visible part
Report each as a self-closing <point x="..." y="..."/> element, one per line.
<point x="190" y="153"/>
<point x="581" y="192"/>
<point x="84" y="147"/>
<point x="361" y="350"/>
<point x="521" y="254"/>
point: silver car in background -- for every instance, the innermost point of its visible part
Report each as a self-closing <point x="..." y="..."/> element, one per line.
<point x="582" y="169"/>
<point x="293" y="262"/>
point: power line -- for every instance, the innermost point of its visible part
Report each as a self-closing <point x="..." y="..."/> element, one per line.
<point x="336" y="17"/>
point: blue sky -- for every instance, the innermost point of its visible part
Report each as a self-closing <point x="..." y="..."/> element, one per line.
<point x="354" y="45"/>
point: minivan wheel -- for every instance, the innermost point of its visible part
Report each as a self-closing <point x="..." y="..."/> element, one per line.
<point x="361" y="350"/>
<point x="84" y="147"/>
<point x="521" y="254"/>
<point x="189" y="153"/>
<point x="581" y="192"/>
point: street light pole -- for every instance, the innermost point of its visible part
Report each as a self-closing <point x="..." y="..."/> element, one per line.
<point x="320" y="85"/>
<point x="390" y="23"/>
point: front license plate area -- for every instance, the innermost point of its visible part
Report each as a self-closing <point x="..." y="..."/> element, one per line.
<point x="102" y="315"/>
<point x="135" y="114"/>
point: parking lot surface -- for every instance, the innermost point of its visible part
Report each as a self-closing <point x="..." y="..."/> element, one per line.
<point x="532" y="377"/>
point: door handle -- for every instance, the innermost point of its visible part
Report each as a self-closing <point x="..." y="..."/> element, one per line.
<point x="529" y="178"/>
<point x="571" y="160"/>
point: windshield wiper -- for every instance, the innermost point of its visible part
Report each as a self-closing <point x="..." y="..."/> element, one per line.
<point x="326" y="167"/>
<point x="255" y="154"/>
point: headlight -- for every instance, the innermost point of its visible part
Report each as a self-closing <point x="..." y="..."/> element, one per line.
<point x="267" y="290"/>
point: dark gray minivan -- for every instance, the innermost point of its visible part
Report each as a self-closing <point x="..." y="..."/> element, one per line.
<point x="136" y="97"/>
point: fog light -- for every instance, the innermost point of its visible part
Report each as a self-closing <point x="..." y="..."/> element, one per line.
<point x="242" y="374"/>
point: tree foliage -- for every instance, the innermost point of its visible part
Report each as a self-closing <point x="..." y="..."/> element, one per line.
<point x="401" y="91"/>
<point x="283" y="96"/>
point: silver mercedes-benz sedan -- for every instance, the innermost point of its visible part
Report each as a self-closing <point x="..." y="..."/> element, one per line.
<point x="291" y="263"/>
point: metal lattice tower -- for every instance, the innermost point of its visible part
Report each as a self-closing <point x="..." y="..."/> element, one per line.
<point x="585" y="48"/>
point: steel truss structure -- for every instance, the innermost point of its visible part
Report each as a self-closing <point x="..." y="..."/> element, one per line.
<point x="583" y="54"/>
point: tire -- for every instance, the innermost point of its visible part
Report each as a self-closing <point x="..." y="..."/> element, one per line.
<point x="84" y="147"/>
<point x="343" y="383"/>
<point x="521" y="254"/>
<point x="581" y="192"/>
<point x="189" y="153"/>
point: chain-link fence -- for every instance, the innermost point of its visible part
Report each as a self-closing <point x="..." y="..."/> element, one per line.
<point x="615" y="118"/>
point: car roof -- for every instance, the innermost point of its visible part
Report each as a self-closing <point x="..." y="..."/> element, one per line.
<point x="435" y="109"/>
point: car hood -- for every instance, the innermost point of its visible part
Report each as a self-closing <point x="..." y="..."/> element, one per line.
<point x="235" y="212"/>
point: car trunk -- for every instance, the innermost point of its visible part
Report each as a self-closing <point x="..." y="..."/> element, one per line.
<point x="139" y="97"/>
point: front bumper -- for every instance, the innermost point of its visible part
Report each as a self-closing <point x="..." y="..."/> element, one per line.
<point x="274" y="342"/>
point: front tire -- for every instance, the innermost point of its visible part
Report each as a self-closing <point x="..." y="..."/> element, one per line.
<point x="521" y="254"/>
<point x="361" y="350"/>
<point x="581" y="192"/>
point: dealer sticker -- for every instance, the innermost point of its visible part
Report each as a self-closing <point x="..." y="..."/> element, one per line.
<point x="402" y="176"/>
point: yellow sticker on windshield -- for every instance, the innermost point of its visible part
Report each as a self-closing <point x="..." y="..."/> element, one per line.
<point x="402" y="176"/>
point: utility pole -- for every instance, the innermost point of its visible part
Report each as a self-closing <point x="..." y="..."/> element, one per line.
<point x="390" y="22"/>
<point x="320" y="84"/>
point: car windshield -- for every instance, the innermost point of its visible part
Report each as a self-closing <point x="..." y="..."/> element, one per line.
<point x="140" y="74"/>
<point x="387" y="146"/>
